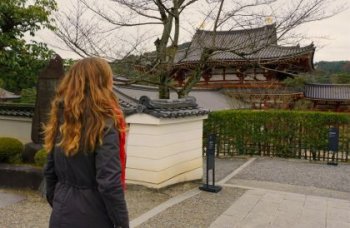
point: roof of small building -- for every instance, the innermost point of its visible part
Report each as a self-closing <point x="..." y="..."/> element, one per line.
<point x="212" y="99"/>
<point x="239" y="45"/>
<point x="17" y="110"/>
<point x="160" y="108"/>
<point x="4" y="94"/>
<point x="327" y="92"/>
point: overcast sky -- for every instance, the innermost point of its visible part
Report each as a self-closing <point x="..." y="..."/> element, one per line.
<point x="336" y="46"/>
<point x="331" y="36"/>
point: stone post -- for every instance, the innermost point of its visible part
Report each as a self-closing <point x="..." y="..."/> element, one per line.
<point x="46" y="88"/>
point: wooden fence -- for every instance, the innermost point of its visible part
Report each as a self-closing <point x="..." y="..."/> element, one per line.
<point x="289" y="134"/>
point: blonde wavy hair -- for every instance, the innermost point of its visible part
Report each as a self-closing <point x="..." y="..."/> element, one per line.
<point x="86" y="94"/>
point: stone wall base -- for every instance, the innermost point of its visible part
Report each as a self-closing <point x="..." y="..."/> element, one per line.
<point x="20" y="176"/>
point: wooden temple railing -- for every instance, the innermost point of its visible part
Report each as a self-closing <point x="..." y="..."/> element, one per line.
<point x="225" y="84"/>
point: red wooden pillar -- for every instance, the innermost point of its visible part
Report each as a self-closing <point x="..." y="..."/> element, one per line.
<point x="268" y="75"/>
<point x="224" y="74"/>
<point x="180" y="76"/>
<point x="337" y="106"/>
<point x="241" y="77"/>
<point x="207" y="75"/>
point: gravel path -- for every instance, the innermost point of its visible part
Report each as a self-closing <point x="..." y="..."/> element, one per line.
<point x="223" y="167"/>
<point x="34" y="212"/>
<point x="296" y="172"/>
<point x="198" y="211"/>
<point x="141" y="199"/>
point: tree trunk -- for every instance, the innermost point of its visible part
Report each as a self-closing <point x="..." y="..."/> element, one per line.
<point x="162" y="58"/>
<point x="164" y="92"/>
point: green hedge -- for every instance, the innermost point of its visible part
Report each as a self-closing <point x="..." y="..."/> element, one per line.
<point x="10" y="150"/>
<point x="296" y="134"/>
<point x="40" y="157"/>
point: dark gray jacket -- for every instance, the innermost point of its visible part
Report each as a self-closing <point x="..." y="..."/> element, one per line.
<point x="85" y="190"/>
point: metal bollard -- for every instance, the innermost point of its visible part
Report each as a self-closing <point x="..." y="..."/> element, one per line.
<point x="333" y="144"/>
<point x="210" y="166"/>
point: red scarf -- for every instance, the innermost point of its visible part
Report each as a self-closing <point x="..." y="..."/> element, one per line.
<point x="122" y="139"/>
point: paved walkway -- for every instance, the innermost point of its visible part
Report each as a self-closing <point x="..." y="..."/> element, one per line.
<point x="274" y="209"/>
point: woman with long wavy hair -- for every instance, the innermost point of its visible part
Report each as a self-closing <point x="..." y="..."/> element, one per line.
<point x="85" y="139"/>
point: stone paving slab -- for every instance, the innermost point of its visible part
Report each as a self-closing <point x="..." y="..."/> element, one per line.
<point x="273" y="209"/>
<point x="9" y="198"/>
<point x="308" y="190"/>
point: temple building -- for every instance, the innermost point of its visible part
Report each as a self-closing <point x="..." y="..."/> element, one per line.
<point x="247" y="58"/>
<point x="328" y="97"/>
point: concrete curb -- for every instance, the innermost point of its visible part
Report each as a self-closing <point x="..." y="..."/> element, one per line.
<point x="237" y="171"/>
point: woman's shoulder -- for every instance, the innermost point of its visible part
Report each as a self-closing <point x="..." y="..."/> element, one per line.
<point x="109" y="125"/>
<point x="109" y="122"/>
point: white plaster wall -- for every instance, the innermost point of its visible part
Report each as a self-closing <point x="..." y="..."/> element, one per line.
<point x="231" y="77"/>
<point x="160" y="152"/>
<point x="164" y="151"/>
<point x="217" y="77"/>
<point x="217" y="71"/>
<point x="261" y="77"/>
<point x="16" y="127"/>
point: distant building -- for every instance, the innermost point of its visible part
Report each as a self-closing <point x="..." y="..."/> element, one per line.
<point x="334" y="97"/>
<point x="6" y="95"/>
<point x="242" y="58"/>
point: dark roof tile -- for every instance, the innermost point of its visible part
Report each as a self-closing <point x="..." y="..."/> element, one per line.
<point x="18" y="110"/>
<point x="173" y="108"/>
<point x="331" y="92"/>
<point x="160" y="108"/>
<point x="237" y="45"/>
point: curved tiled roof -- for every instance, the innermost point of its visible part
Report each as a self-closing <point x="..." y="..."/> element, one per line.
<point x="330" y="92"/>
<point x="270" y="52"/>
<point x="267" y="53"/>
<point x="212" y="99"/>
<point x="4" y="94"/>
<point x="160" y="108"/>
<point x="238" y="39"/>
<point x="18" y="110"/>
<point x="239" y="45"/>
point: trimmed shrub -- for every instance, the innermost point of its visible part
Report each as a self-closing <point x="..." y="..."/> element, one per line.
<point x="40" y="157"/>
<point x="277" y="133"/>
<point x="10" y="150"/>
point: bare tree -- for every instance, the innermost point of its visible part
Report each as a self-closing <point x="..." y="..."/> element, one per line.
<point x="88" y="35"/>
